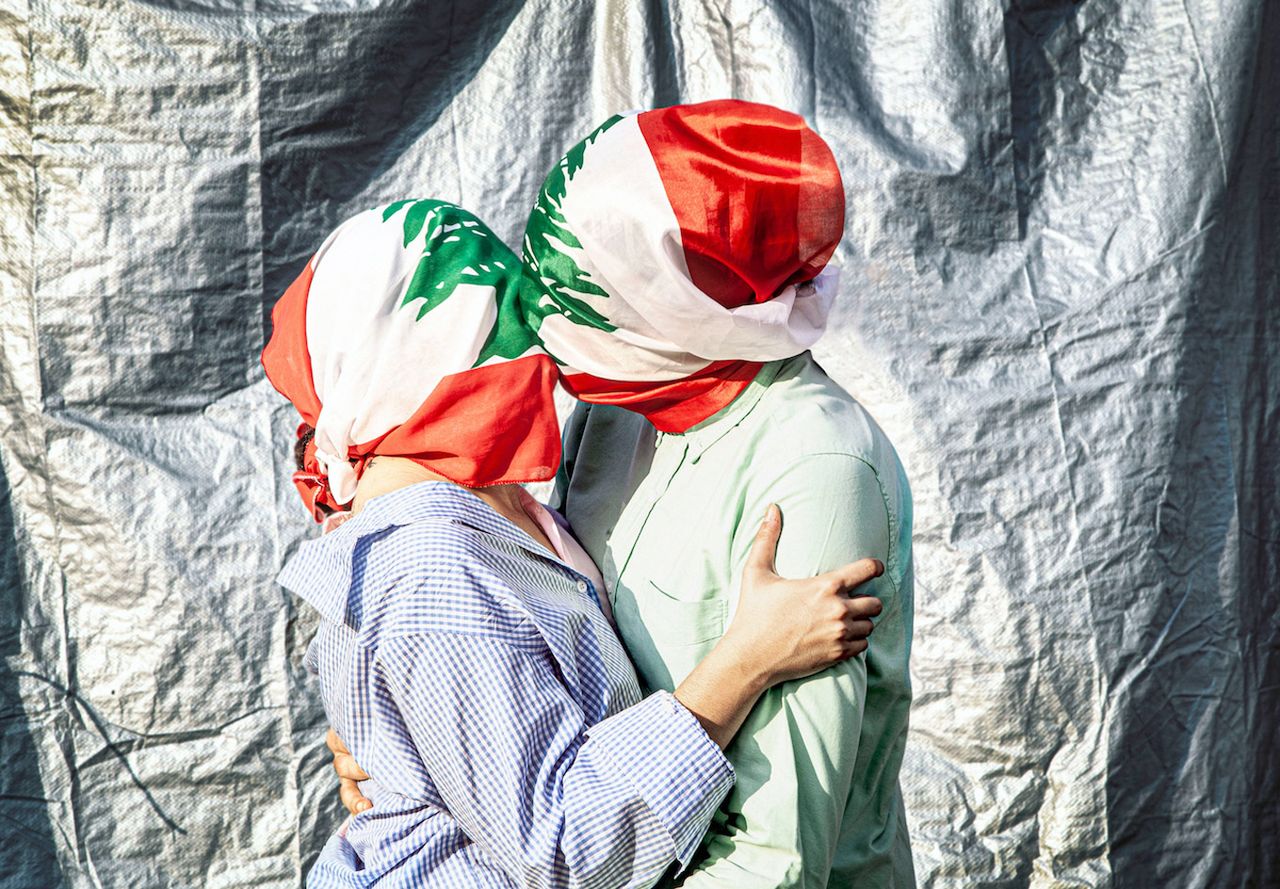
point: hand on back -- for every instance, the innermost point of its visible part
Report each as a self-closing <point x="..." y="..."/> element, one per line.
<point x="349" y="775"/>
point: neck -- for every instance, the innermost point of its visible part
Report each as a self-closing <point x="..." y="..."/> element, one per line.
<point x="382" y="475"/>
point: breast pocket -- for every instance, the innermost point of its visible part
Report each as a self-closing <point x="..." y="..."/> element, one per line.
<point x="681" y="621"/>
<point x="666" y="637"/>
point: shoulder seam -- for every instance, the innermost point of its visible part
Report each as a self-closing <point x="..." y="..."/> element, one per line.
<point x="890" y="520"/>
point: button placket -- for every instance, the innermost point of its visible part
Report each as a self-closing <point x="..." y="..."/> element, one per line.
<point x="653" y="490"/>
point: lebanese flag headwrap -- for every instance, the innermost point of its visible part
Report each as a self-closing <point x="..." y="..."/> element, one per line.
<point x="403" y="337"/>
<point x="672" y="252"/>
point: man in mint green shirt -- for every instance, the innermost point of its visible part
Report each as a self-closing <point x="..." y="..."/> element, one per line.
<point x="669" y="518"/>
<point x="675" y="268"/>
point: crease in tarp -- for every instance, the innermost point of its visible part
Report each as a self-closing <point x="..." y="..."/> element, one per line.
<point x="1058" y="281"/>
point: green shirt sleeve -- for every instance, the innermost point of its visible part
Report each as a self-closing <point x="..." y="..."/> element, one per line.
<point x="795" y="755"/>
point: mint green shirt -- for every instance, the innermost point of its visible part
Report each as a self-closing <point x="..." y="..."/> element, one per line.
<point x="670" y="519"/>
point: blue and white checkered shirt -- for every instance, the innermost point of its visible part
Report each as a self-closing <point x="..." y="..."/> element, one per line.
<point x="474" y="677"/>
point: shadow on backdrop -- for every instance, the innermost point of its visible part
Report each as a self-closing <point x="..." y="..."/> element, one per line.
<point x="1193" y="764"/>
<point x="28" y="853"/>
<point x="1028" y="26"/>
<point x="400" y="77"/>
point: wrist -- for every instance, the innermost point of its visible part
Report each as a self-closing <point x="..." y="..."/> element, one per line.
<point x="745" y="662"/>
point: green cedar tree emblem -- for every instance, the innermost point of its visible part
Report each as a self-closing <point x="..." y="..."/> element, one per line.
<point x="460" y="249"/>
<point x="551" y="277"/>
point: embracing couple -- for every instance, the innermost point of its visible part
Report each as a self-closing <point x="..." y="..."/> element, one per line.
<point x="624" y="691"/>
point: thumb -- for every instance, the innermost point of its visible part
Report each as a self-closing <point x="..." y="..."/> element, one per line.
<point x="764" y="549"/>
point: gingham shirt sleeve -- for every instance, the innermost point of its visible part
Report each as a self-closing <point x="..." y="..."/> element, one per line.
<point x="555" y="803"/>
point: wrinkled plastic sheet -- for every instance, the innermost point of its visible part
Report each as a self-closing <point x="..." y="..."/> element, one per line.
<point x="1059" y="298"/>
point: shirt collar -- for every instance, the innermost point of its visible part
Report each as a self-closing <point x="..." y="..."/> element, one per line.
<point x="321" y="570"/>
<point x="436" y="501"/>
<point x="702" y="436"/>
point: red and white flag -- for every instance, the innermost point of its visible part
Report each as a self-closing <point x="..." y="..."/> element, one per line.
<point x="672" y="251"/>
<point x="403" y="336"/>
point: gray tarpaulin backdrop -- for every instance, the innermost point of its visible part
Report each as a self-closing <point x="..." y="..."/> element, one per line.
<point x="1061" y="300"/>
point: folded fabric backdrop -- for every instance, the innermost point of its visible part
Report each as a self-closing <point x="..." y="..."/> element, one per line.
<point x="1058" y="280"/>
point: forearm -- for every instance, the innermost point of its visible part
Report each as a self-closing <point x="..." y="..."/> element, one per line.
<point x="721" y="691"/>
<point x="561" y="804"/>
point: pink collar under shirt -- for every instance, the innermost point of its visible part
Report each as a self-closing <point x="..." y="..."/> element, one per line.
<point x="566" y="547"/>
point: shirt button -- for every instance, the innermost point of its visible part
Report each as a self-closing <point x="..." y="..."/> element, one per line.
<point x="582" y="586"/>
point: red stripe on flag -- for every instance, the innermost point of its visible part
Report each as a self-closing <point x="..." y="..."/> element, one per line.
<point x="756" y="192"/>
<point x="676" y="406"/>
<point x="286" y="359"/>
<point x="491" y="425"/>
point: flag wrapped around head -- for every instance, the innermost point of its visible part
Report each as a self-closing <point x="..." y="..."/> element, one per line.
<point x="403" y="337"/>
<point x="673" y="251"/>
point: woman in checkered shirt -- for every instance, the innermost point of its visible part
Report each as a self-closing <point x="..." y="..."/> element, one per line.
<point x="465" y="652"/>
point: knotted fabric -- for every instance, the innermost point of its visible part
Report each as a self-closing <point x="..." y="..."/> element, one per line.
<point x="673" y="251"/>
<point x="403" y="337"/>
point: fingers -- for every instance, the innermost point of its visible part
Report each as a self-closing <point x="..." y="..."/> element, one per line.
<point x="352" y="800"/>
<point x="854" y="648"/>
<point x="862" y="607"/>
<point x="857" y="629"/>
<point x="348" y="769"/>
<point x="764" y="549"/>
<point x="853" y="575"/>
<point x="343" y="762"/>
<point x="349" y="773"/>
